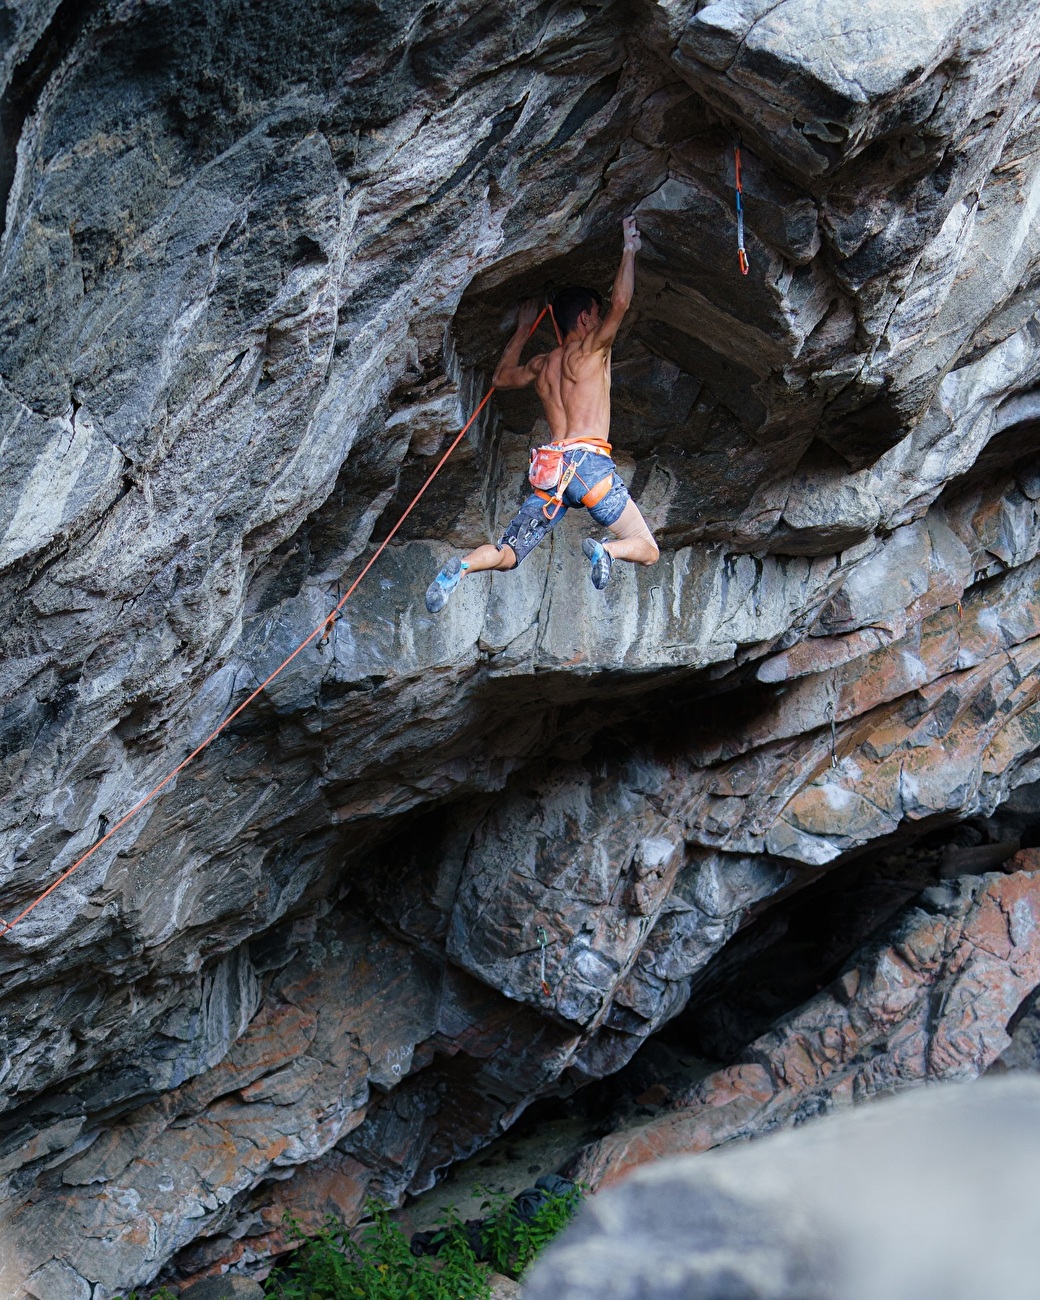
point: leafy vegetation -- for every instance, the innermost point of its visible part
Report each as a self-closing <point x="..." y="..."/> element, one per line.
<point x="381" y="1266"/>
<point x="332" y="1266"/>
<point x="510" y="1243"/>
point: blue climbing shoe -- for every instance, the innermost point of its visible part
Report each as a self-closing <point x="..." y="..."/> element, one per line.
<point x="444" y="584"/>
<point x="601" y="560"/>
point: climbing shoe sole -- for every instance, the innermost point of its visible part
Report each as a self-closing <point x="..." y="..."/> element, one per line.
<point x="601" y="562"/>
<point x="443" y="585"/>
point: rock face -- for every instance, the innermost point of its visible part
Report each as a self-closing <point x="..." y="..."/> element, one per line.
<point x="257" y="263"/>
<point x="783" y="1217"/>
<point x="931" y="1001"/>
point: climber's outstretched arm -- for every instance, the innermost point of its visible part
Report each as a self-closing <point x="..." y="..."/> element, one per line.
<point x="509" y="373"/>
<point x="603" y="336"/>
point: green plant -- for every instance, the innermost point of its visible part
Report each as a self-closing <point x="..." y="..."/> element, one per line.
<point x="511" y="1243"/>
<point x="332" y="1266"/>
<point x="379" y="1265"/>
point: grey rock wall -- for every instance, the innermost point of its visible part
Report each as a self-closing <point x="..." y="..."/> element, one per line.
<point x="256" y="266"/>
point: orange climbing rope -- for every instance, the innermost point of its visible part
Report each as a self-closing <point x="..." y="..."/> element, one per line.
<point x="556" y="328"/>
<point x="322" y="630"/>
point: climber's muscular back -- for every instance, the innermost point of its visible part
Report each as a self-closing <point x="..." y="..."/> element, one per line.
<point x="573" y="382"/>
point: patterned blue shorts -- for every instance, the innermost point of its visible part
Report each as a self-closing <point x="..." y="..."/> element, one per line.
<point x="530" y="526"/>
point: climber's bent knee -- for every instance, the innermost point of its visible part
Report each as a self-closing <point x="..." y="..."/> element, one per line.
<point x="618" y="512"/>
<point x="630" y="527"/>
<point x="508" y="555"/>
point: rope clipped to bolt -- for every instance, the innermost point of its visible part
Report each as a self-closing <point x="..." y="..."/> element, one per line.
<point x="321" y="633"/>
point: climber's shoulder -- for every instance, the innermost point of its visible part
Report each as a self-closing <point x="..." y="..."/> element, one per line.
<point x="531" y="372"/>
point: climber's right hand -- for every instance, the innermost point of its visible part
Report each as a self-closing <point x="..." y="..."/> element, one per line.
<point x="527" y="314"/>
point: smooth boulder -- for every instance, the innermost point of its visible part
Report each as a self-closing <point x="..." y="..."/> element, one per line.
<point x="927" y="1196"/>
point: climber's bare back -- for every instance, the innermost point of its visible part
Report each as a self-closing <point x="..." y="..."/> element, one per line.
<point x="573" y="382"/>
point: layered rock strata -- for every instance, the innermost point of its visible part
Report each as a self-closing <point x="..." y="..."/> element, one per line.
<point x="931" y="1001"/>
<point x="256" y="264"/>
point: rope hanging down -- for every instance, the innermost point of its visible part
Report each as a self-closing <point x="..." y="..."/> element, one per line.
<point x="322" y="630"/>
<point x="741" y="254"/>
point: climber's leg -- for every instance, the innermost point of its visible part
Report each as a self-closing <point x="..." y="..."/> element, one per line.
<point x="490" y="557"/>
<point x="523" y="533"/>
<point x="528" y="527"/>
<point x="635" y="542"/>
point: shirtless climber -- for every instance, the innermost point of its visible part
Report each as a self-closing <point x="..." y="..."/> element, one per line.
<point x="575" y="469"/>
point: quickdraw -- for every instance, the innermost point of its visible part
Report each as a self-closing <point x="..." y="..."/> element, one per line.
<point x="554" y="502"/>
<point x="741" y="252"/>
<point x="834" y="733"/>
<point x="543" y="940"/>
<point x="329" y="628"/>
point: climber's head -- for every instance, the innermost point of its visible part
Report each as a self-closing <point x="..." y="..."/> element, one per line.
<point x="577" y="309"/>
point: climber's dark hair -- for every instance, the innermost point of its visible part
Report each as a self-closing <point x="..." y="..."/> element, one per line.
<point x="570" y="303"/>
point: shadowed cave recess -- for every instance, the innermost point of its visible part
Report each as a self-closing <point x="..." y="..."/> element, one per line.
<point x="656" y="856"/>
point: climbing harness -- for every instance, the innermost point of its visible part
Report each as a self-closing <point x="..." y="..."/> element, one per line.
<point x="321" y="633"/>
<point x="543" y="940"/>
<point x="548" y="471"/>
<point x="741" y="253"/>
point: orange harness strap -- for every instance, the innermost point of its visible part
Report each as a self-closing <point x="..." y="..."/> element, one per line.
<point x="599" y="446"/>
<point x="591" y="498"/>
<point x="596" y="494"/>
